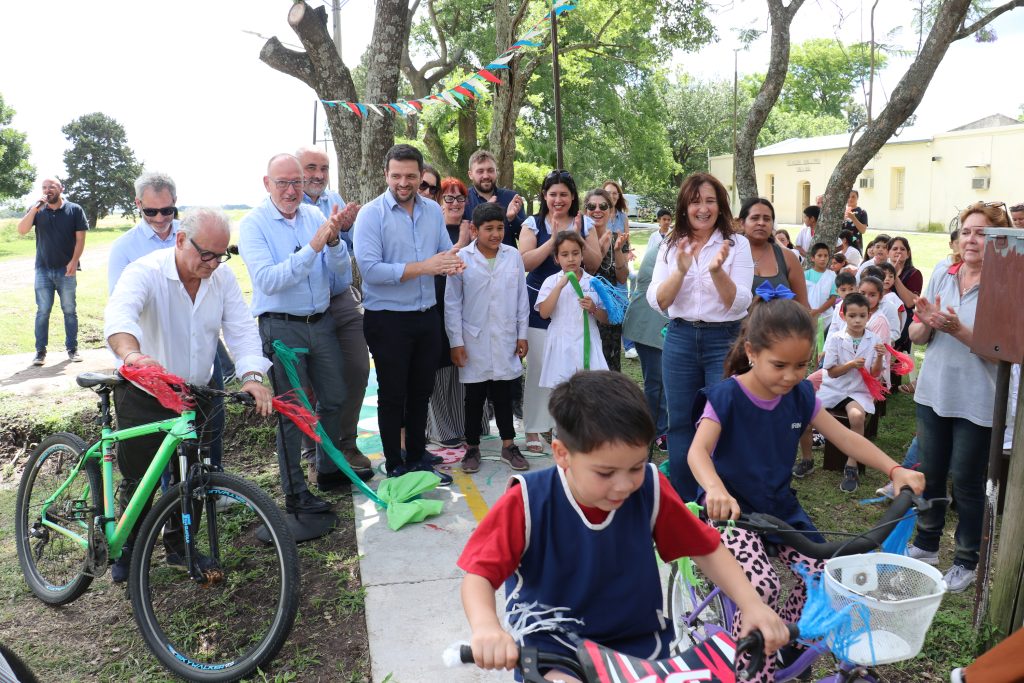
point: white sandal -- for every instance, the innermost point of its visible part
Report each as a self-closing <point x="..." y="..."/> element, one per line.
<point x="535" y="445"/>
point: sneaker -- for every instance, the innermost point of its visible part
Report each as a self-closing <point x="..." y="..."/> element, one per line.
<point x="119" y="570"/>
<point x="887" y="491"/>
<point x="449" y="443"/>
<point x="446" y="479"/>
<point x="305" y="502"/>
<point x="958" y="578"/>
<point x="927" y="556"/>
<point x="40" y="359"/>
<point x="817" y="439"/>
<point x="957" y="676"/>
<point x="471" y="461"/>
<point x="514" y="458"/>
<point x="661" y="443"/>
<point x="631" y="353"/>
<point x="176" y="560"/>
<point x="803" y="468"/>
<point x="74" y="357"/>
<point x="851" y="480"/>
<point x="225" y="502"/>
<point x="357" y="459"/>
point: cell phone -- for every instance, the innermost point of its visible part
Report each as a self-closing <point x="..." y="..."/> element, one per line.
<point x="625" y="247"/>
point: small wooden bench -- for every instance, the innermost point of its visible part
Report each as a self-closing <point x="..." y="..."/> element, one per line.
<point x="834" y="459"/>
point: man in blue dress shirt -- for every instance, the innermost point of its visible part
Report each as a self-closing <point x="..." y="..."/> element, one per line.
<point x="155" y="198"/>
<point x="401" y="242"/>
<point x="290" y="249"/>
<point x="344" y="307"/>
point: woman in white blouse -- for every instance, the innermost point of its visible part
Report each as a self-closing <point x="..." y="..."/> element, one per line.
<point x="702" y="281"/>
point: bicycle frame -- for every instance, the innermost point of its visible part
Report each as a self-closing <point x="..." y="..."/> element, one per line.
<point x="177" y="429"/>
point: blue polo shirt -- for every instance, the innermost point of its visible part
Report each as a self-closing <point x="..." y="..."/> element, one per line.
<point x="387" y="239"/>
<point x="132" y="246"/>
<point x="326" y="202"/>
<point x="512" y="227"/>
<point x="56" y="232"/>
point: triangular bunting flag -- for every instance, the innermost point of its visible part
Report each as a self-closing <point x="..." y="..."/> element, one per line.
<point x="489" y="76"/>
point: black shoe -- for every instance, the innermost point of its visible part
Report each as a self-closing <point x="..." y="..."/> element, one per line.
<point x="177" y="560"/>
<point x="446" y="479"/>
<point x="332" y="481"/>
<point x="305" y="502"/>
<point x="74" y="356"/>
<point x="40" y="359"/>
<point x="119" y="570"/>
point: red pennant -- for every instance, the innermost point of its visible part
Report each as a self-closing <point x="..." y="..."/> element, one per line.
<point x="875" y="388"/>
<point x="489" y="76"/>
<point x="415" y="103"/>
<point x="355" y="109"/>
<point x="164" y="386"/>
<point x="392" y="108"/>
<point x="290" y="407"/>
<point x="902" y="364"/>
<point x="460" y="89"/>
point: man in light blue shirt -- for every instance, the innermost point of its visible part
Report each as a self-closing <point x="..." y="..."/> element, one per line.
<point x="401" y="242"/>
<point x="155" y="198"/>
<point x="344" y="307"/>
<point x="290" y="249"/>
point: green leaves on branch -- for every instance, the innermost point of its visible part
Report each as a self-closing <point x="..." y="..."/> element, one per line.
<point x="101" y="167"/>
<point x="16" y="173"/>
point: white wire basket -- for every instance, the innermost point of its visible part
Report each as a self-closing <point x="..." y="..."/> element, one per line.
<point x="901" y="596"/>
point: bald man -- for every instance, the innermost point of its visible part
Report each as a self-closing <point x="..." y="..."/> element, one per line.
<point x="60" y="239"/>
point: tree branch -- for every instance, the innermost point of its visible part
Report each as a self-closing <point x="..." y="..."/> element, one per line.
<point x="987" y="19"/>
<point x="291" y="62"/>
<point x="442" y="43"/>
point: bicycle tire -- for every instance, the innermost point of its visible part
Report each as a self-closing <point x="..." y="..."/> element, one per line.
<point x="53" y="564"/>
<point x="680" y="603"/>
<point x="206" y="632"/>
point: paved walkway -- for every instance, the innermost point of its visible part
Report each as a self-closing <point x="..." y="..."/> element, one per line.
<point x="19" y="376"/>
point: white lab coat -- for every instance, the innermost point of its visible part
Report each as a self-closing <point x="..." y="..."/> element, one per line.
<point x="487" y="311"/>
<point x="839" y="349"/>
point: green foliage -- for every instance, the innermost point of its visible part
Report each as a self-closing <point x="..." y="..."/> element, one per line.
<point x="101" y="166"/>
<point x="529" y="179"/>
<point x="823" y="74"/>
<point x="699" y="121"/>
<point x="16" y="173"/>
<point x="783" y="125"/>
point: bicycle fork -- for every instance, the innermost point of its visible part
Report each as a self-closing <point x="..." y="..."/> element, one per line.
<point x="193" y="479"/>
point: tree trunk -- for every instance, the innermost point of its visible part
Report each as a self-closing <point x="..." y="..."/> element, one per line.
<point x="508" y="97"/>
<point x="905" y="98"/>
<point x="781" y="18"/>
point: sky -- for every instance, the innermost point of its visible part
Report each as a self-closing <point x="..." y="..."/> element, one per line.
<point x="185" y="78"/>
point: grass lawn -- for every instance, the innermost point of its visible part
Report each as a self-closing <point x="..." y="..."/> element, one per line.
<point x="13" y="245"/>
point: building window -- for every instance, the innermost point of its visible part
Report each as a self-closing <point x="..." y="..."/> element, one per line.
<point x="897" y="191"/>
<point x="771" y="187"/>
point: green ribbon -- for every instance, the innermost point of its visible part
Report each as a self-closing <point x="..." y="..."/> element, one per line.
<point x="398" y="495"/>
<point x="571" y="276"/>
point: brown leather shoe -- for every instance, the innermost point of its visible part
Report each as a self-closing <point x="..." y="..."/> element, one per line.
<point x="357" y="459"/>
<point x="471" y="461"/>
<point x="514" y="458"/>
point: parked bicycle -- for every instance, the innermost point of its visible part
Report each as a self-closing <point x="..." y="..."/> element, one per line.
<point x="233" y="606"/>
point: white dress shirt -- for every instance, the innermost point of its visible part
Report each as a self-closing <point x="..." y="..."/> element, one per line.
<point x="487" y="311"/>
<point x="150" y="303"/>
<point x="698" y="298"/>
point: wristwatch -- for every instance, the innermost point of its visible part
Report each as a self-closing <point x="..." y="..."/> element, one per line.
<point x="333" y="243"/>
<point x="252" y="377"/>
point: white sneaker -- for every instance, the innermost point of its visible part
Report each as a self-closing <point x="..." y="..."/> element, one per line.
<point x="886" y="491"/>
<point x="957" y="676"/>
<point x="631" y="353"/>
<point x="958" y="578"/>
<point x="927" y="556"/>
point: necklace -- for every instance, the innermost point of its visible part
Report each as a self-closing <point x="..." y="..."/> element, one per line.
<point x="965" y="285"/>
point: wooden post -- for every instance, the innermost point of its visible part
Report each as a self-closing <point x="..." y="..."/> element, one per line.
<point x="1006" y="607"/>
<point x="556" y="75"/>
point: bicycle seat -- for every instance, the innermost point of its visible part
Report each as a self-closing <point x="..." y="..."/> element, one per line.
<point x="89" y="380"/>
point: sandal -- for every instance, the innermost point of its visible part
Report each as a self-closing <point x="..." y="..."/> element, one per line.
<point x="535" y="445"/>
<point x="908" y="388"/>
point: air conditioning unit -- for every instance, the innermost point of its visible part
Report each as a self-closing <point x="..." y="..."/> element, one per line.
<point x="980" y="183"/>
<point x="866" y="183"/>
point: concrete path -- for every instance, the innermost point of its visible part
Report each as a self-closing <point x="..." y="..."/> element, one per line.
<point x="19" y="376"/>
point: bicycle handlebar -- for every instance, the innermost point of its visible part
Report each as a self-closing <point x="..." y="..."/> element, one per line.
<point x="768" y="525"/>
<point x="243" y="397"/>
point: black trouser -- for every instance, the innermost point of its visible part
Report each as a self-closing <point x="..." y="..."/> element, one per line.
<point x="500" y="392"/>
<point x="406" y="346"/>
<point x="135" y="407"/>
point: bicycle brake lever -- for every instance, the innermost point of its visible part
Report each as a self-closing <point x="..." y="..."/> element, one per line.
<point x="924" y="504"/>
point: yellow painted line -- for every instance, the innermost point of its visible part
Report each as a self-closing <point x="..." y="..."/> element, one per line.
<point x="475" y="501"/>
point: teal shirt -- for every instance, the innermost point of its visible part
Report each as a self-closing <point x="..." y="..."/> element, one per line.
<point x="642" y="323"/>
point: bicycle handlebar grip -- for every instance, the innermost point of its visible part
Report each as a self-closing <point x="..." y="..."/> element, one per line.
<point x="753" y="644"/>
<point x="466" y="654"/>
<point x="244" y="397"/>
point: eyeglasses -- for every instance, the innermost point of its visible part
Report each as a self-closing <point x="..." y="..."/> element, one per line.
<point x="454" y="199"/>
<point x="165" y="211"/>
<point x="595" y="207"/>
<point x="285" y="184"/>
<point x="427" y="187"/>
<point x="207" y="256"/>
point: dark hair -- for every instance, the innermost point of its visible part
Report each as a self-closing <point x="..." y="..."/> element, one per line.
<point x="405" y="153"/>
<point x="872" y="271"/>
<point x="874" y="282"/>
<point x="818" y="246"/>
<point x="855" y="299"/>
<point x="887" y="268"/>
<point x="847" y="236"/>
<point x="880" y="238"/>
<point x="839" y="257"/>
<point x="427" y="168"/>
<point x="488" y="211"/>
<point x="750" y="203"/>
<point x="813" y="211"/>
<point x="909" y="263"/>
<point x="689" y="191"/>
<point x="844" y="278"/>
<point x="559" y="177"/>
<point x="594" y="408"/>
<point x="664" y="212"/>
<point x="769" y="322"/>
<point x="955" y="235"/>
<point x="786" y="233"/>
<point x="598" y="192"/>
<point x="568" y="236"/>
<point x="621" y="204"/>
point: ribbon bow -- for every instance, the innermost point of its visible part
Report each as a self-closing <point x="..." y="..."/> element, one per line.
<point x="767" y="292"/>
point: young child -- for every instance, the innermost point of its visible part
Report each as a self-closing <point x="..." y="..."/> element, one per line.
<point x="889" y="270"/>
<point x="842" y="386"/>
<point x="578" y="537"/>
<point x="486" y="313"/>
<point x="821" y="289"/>
<point x="880" y="306"/>
<point x="557" y="300"/>
<point x="839" y="263"/>
<point x="664" y="224"/>
<point x="748" y="429"/>
<point x="853" y="255"/>
<point x="846" y="284"/>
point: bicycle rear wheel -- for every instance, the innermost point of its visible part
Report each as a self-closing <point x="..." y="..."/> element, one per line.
<point x="238" y="619"/>
<point x="53" y="563"/>
<point x="682" y="599"/>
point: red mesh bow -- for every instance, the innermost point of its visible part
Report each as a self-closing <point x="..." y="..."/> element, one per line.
<point x="165" y="387"/>
<point x="875" y="388"/>
<point x="902" y="364"/>
<point x="287" y="405"/>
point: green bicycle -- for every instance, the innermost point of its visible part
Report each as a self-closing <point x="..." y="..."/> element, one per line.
<point x="231" y="611"/>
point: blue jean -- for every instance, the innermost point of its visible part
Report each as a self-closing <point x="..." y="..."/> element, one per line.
<point x="952" y="447"/>
<point x="693" y="358"/>
<point x="654" y="388"/>
<point x="913" y="455"/>
<point x="50" y="282"/>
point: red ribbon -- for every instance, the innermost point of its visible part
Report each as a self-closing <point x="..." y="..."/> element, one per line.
<point x="875" y="388"/>
<point x="287" y="405"/>
<point x="165" y="387"/>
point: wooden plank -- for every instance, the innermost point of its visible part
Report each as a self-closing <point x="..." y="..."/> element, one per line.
<point x="1006" y="607"/>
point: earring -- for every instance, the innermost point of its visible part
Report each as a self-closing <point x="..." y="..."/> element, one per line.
<point x="751" y="361"/>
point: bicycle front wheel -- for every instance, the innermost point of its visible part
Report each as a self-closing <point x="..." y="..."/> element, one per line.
<point x="238" y="618"/>
<point x="53" y="561"/>
<point x="691" y="626"/>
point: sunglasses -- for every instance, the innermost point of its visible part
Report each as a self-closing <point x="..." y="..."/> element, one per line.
<point x="454" y="199"/>
<point x="165" y="211"/>
<point x="558" y="174"/>
<point x="207" y="256"/>
<point x="603" y="206"/>
<point x="427" y="187"/>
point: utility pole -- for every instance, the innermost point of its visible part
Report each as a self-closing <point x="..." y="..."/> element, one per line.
<point x="735" y="114"/>
<point x="336" y="6"/>
<point x="556" y="77"/>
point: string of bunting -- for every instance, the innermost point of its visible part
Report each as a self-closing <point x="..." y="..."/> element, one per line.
<point x="475" y="85"/>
